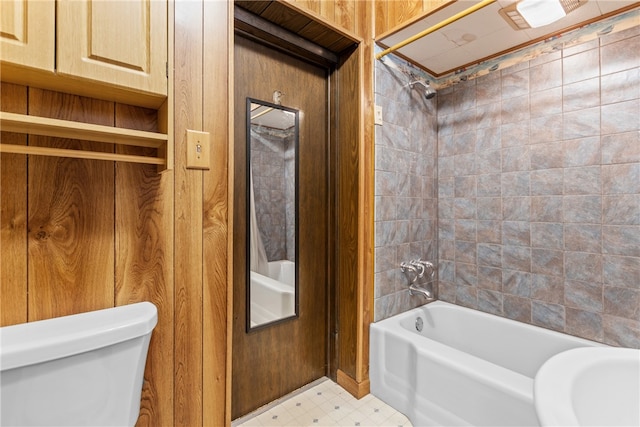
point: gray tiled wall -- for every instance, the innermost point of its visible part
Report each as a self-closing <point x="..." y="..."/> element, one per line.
<point x="272" y="161"/>
<point x="539" y="191"/>
<point x="405" y="188"/>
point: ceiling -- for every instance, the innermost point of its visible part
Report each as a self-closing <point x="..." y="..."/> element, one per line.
<point x="272" y="117"/>
<point x="484" y="34"/>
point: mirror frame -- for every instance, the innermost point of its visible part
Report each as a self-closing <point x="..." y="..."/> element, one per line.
<point x="296" y="314"/>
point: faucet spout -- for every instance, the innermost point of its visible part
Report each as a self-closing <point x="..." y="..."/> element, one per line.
<point x="415" y="289"/>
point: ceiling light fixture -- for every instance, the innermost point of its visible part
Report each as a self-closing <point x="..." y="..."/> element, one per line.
<point x="526" y="14"/>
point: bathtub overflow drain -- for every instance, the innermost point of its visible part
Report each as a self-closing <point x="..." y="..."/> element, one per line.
<point x="419" y="324"/>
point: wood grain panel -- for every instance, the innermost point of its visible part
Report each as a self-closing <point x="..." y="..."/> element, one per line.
<point x="382" y="17"/>
<point x="298" y="344"/>
<point x="345" y="14"/>
<point x="328" y="10"/>
<point x="13" y="218"/>
<point x="277" y="12"/>
<point x="312" y="5"/>
<point x="256" y="7"/>
<point x="404" y="10"/>
<point x="119" y="43"/>
<point x="71" y="220"/>
<point x="395" y="14"/>
<point x="366" y="173"/>
<point x="144" y="260"/>
<point x="316" y="31"/>
<point x="217" y="232"/>
<point x="349" y="163"/>
<point x="188" y="217"/>
<point x="27" y="30"/>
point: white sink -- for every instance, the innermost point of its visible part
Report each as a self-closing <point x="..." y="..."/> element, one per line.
<point x="591" y="386"/>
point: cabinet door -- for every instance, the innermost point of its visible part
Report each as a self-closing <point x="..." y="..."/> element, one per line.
<point x="27" y="33"/>
<point x="123" y="43"/>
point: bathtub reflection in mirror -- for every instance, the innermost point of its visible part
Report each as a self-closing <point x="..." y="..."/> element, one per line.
<point x="272" y="219"/>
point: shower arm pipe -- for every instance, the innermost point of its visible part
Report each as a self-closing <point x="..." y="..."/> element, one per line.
<point x="436" y="27"/>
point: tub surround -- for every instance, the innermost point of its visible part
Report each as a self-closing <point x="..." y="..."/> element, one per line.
<point x="539" y="194"/>
<point x="405" y="188"/>
<point x="538" y="202"/>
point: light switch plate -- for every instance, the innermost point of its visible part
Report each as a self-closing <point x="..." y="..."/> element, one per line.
<point x="378" y="115"/>
<point x="198" y="147"/>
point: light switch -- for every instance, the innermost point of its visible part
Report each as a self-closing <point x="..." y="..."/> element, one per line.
<point x="198" y="147"/>
<point x="378" y="115"/>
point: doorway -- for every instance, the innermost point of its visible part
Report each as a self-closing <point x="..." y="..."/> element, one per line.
<point x="275" y="359"/>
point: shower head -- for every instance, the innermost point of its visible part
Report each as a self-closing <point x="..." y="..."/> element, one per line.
<point x="429" y="92"/>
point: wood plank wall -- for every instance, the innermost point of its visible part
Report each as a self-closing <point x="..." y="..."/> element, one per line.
<point x="203" y="37"/>
<point x="392" y="14"/>
<point x="217" y="218"/>
<point x="188" y="77"/>
<point x="79" y="235"/>
<point x="91" y="234"/>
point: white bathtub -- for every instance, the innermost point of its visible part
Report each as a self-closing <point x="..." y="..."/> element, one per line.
<point x="283" y="271"/>
<point x="273" y="298"/>
<point x="466" y="367"/>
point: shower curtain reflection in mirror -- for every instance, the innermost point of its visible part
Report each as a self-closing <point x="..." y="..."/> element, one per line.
<point x="272" y="139"/>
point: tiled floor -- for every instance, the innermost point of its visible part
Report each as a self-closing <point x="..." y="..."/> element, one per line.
<point x="324" y="403"/>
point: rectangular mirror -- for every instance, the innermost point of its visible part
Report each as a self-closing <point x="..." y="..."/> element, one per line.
<point x="272" y="214"/>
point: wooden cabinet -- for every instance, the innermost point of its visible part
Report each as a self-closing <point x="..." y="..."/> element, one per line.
<point x="27" y="33"/>
<point x="108" y="50"/>
<point x="113" y="50"/>
<point x="118" y="42"/>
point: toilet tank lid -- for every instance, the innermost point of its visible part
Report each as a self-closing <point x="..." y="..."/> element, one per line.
<point x="44" y="340"/>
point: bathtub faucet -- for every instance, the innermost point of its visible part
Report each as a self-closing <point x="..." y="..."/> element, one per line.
<point x="419" y="273"/>
<point x="415" y="289"/>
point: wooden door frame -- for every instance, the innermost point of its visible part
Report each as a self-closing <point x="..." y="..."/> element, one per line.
<point x="351" y="260"/>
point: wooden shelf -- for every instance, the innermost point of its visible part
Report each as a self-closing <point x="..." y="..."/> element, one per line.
<point x="34" y="125"/>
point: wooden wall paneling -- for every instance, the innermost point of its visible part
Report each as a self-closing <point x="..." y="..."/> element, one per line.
<point x="355" y="210"/>
<point x="144" y="260"/>
<point x="430" y="5"/>
<point x="340" y="12"/>
<point x="13" y="218"/>
<point x="366" y="201"/>
<point x="393" y="14"/>
<point x="345" y="14"/>
<point x="313" y="5"/>
<point x="70" y="220"/>
<point x="188" y="62"/>
<point x="327" y="10"/>
<point x="402" y="11"/>
<point x="381" y="23"/>
<point x="217" y="235"/>
<point x="348" y="210"/>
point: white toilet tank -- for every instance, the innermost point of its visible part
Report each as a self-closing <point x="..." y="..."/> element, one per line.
<point x="80" y="370"/>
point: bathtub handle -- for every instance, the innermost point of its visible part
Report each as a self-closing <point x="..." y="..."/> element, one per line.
<point x="411" y="269"/>
<point x="427" y="267"/>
